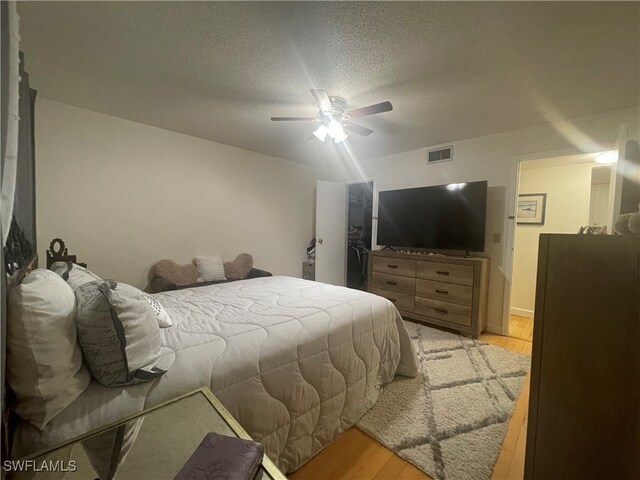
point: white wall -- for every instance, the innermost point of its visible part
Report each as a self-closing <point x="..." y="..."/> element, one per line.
<point x="493" y="158"/>
<point x="568" y="189"/>
<point x="123" y="195"/>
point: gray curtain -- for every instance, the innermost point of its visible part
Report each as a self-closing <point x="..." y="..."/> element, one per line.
<point x="4" y="85"/>
<point x="24" y="206"/>
<point x="21" y="241"/>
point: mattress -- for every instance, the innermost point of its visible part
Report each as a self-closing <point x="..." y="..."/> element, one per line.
<point x="314" y="356"/>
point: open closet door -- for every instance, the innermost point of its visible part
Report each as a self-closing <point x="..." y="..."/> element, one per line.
<point x="625" y="177"/>
<point x="331" y="232"/>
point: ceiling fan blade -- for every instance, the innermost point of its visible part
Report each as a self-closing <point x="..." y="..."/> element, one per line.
<point x="322" y="99"/>
<point x="293" y="119"/>
<point x="359" y="129"/>
<point x="371" y="109"/>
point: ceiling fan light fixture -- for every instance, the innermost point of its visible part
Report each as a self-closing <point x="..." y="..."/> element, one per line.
<point x="334" y="119"/>
<point x="321" y="132"/>
<point x="340" y="136"/>
<point x="336" y="131"/>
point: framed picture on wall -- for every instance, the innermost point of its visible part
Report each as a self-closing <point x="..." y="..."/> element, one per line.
<point x="531" y="208"/>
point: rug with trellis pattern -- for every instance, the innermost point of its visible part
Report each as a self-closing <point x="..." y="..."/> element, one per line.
<point x="451" y="419"/>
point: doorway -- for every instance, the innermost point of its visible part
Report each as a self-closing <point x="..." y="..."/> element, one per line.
<point x="359" y="227"/>
<point x="555" y="195"/>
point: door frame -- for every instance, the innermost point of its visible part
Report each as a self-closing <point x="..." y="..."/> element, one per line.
<point x="374" y="231"/>
<point x="374" y="206"/>
<point x="513" y="185"/>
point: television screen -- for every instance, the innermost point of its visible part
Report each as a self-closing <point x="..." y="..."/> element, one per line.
<point x="444" y="217"/>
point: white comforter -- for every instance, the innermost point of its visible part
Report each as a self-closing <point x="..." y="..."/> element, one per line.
<point x="296" y="362"/>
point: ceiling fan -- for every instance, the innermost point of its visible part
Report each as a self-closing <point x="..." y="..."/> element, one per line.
<point x="333" y="118"/>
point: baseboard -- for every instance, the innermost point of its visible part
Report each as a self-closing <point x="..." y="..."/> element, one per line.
<point x="522" y="312"/>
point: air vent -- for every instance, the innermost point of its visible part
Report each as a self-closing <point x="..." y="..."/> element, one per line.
<point x="440" y="155"/>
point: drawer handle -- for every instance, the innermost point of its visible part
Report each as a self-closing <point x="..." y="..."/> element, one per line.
<point x="441" y="310"/>
<point x="391" y="283"/>
<point x="443" y="292"/>
<point x="392" y="266"/>
<point x="440" y="272"/>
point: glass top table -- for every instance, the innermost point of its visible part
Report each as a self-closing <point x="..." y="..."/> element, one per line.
<point x="153" y="445"/>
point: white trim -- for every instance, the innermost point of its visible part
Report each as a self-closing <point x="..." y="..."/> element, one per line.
<point x="494" y="328"/>
<point x="522" y="312"/>
<point x="510" y="229"/>
<point x="509" y="236"/>
<point x="359" y="180"/>
<point x="563" y="152"/>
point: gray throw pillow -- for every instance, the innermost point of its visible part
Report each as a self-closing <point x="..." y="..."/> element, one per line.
<point x="73" y="274"/>
<point x="118" y="334"/>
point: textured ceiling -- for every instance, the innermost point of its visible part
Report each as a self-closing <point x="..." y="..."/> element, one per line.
<point x="219" y="70"/>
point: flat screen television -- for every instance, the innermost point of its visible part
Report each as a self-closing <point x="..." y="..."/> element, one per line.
<point x="442" y="217"/>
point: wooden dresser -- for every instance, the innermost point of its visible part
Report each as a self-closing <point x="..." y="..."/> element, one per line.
<point x="584" y="407"/>
<point x="445" y="291"/>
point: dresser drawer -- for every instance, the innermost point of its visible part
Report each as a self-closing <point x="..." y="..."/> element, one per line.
<point x="448" y="312"/>
<point x="395" y="266"/>
<point x="402" y="301"/>
<point x="446" y="272"/>
<point x="446" y="292"/>
<point x="395" y="283"/>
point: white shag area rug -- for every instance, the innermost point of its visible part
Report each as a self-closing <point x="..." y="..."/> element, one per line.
<point x="451" y="419"/>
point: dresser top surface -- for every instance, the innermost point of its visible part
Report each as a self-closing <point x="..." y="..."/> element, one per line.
<point x="434" y="258"/>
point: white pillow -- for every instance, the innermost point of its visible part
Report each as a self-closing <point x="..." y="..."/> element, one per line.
<point x="44" y="361"/>
<point x="210" y="269"/>
<point x="73" y="274"/>
<point x="163" y="318"/>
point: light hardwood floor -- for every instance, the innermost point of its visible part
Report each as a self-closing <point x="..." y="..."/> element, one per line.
<point x="355" y="455"/>
<point x="521" y="327"/>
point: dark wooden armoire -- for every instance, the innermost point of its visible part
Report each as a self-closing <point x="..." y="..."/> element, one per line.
<point x="584" y="409"/>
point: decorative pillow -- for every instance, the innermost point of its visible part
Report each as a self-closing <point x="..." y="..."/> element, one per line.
<point x="163" y="318"/>
<point x="73" y="274"/>
<point x="210" y="269"/>
<point x="178" y="274"/>
<point x="118" y="334"/>
<point x="239" y="268"/>
<point x="44" y="361"/>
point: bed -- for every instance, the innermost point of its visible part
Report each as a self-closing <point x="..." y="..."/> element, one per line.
<point x="296" y="362"/>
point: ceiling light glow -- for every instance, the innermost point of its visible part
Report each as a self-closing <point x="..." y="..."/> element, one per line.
<point x="607" y="157"/>
<point x="321" y="132"/>
<point x="340" y="136"/>
<point x="334" y="130"/>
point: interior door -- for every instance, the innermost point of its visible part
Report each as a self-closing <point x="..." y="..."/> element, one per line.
<point x="331" y="232"/>
<point x="625" y="175"/>
<point x="615" y="188"/>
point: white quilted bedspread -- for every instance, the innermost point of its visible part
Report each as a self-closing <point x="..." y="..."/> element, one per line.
<point x="296" y="362"/>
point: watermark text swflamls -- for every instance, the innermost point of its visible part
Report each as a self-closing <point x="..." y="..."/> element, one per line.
<point x="39" y="466"/>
